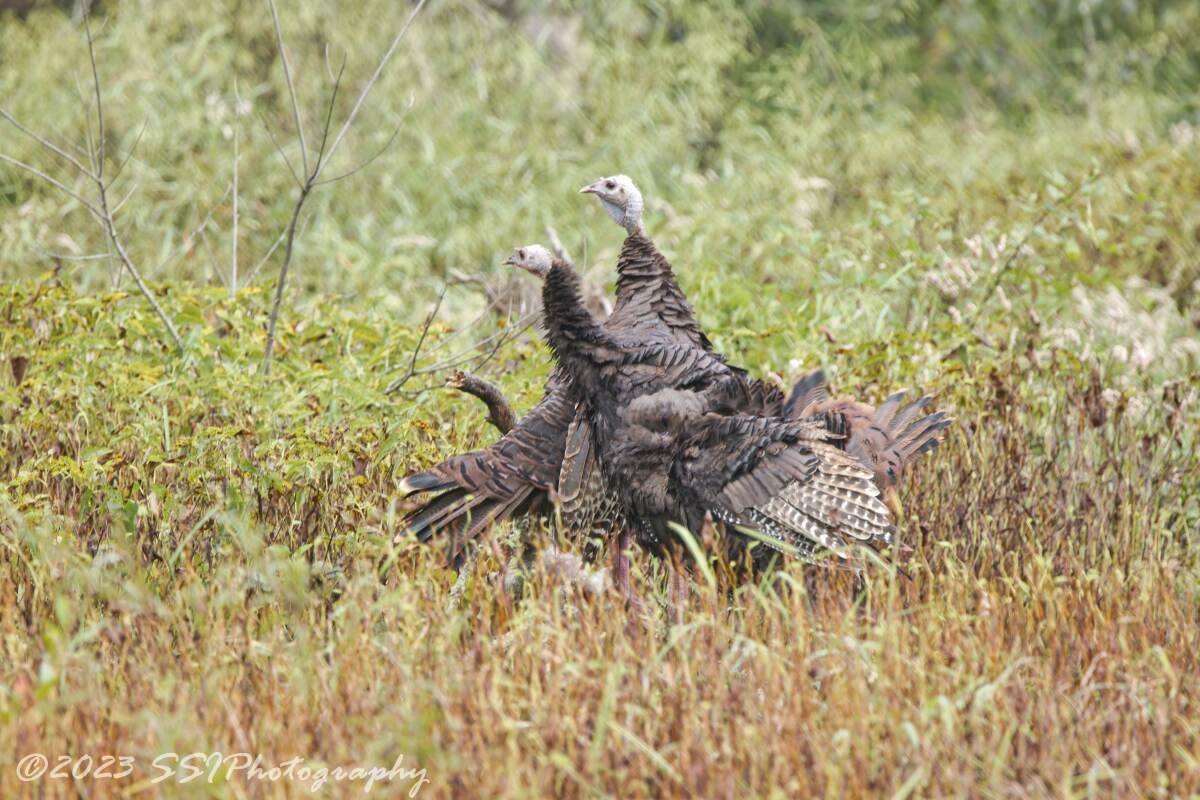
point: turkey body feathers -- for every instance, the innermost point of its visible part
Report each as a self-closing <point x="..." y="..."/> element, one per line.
<point x="549" y="450"/>
<point x="672" y="444"/>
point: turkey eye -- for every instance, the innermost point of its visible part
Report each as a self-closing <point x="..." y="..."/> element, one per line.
<point x="609" y="185"/>
<point x="520" y="254"/>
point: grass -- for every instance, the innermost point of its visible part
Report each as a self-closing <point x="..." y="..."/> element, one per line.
<point x="196" y="559"/>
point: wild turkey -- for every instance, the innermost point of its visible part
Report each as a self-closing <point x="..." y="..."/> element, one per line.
<point x="885" y="439"/>
<point x="549" y="451"/>
<point x="675" y="449"/>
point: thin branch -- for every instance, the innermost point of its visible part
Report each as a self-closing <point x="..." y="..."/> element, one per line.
<point x="337" y="84"/>
<point x="129" y="156"/>
<point x="212" y="259"/>
<point x="183" y="246"/>
<point x="267" y="257"/>
<point x="280" y="150"/>
<point x="117" y="208"/>
<point x="87" y="26"/>
<point x="67" y="257"/>
<point x="362" y="97"/>
<point x="35" y="171"/>
<point x="355" y="170"/>
<point x="141" y="284"/>
<point x="460" y="359"/>
<point x="462" y="356"/>
<point x="310" y="178"/>
<point x="287" y="73"/>
<point x="233" y="258"/>
<point x="1037" y="222"/>
<point x="513" y="333"/>
<point x="46" y="143"/>
<point x="282" y="282"/>
<point x="498" y="339"/>
<point x="412" y="364"/>
<point x="557" y="246"/>
<point x="102" y="190"/>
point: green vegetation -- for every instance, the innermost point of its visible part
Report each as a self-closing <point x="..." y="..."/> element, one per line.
<point x="998" y="205"/>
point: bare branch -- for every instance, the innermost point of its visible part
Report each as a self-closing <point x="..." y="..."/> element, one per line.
<point x="556" y="244"/>
<point x="102" y="190"/>
<point x="362" y="97"/>
<point x="355" y="170"/>
<point x="99" y="105"/>
<point x="310" y="178"/>
<point x="1037" y="223"/>
<point x="233" y="258"/>
<point x="287" y="73"/>
<point x="67" y="257"/>
<point x="500" y="414"/>
<point x="282" y="282"/>
<point x="281" y="151"/>
<point x="46" y="143"/>
<point x="266" y="257"/>
<point x="129" y="156"/>
<point x="412" y="364"/>
<point x="35" y="171"/>
<point x="141" y="284"/>
<point x="498" y="339"/>
<point x="120" y="204"/>
<point x="183" y="246"/>
<point x="337" y="84"/>
<point x="213" y="264"/>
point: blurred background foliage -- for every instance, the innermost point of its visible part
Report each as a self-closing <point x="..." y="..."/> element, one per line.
<point x="830" y="146"/>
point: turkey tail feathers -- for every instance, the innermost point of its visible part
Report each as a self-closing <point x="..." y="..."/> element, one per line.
<point x="809" y="390"/>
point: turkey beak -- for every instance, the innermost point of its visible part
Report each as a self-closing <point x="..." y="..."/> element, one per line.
<point x="591" y="188"/>
<point x="511" y="261"/>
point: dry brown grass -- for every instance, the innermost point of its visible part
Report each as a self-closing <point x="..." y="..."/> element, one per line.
<point x="1046" y="645"/>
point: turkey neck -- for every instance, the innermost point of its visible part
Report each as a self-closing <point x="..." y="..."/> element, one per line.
<point x="580" y="345"/>
<point x="647" y="291"/>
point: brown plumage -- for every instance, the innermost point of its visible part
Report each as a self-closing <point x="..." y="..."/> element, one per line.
<point x="673" y="448"/>
<point x="885" y="439"/>
<point x="535" y="463"/>
<point x="550" y="455"/>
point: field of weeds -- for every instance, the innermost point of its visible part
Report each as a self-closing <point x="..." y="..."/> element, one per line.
<point x="1001" y="208"/>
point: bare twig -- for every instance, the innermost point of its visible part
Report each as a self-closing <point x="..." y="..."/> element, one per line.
<point x="266" y="256"/>
<point x="121" y="203"/>
<point x="102" y="192"/>
<point x="67" y="257"/>
<point x="287" y="73"/>
<point x="279" y="149"/>
<point x="337" y="83"/>
<point x="282" y="282"/>
<point x="183" y="246"/>
<point x="362" y="97"/>
<point x="500" y="414"/>
<point x="359" y="168"/>
<point x="129" y="156"/>
<point x="233" y="258"/>
<point x="1016" y="251"/>
<point x="498" y="339"/>
<point x="557" y="246"/>
<point x="510" y="330"/>
<point x="46" y="143"/>
<point x="213" y="263"/>
<point x="87" y="26"/>
<point x="37" y="172"/>
<point x="412" y="363"/>
<point x="312" y="177"/>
